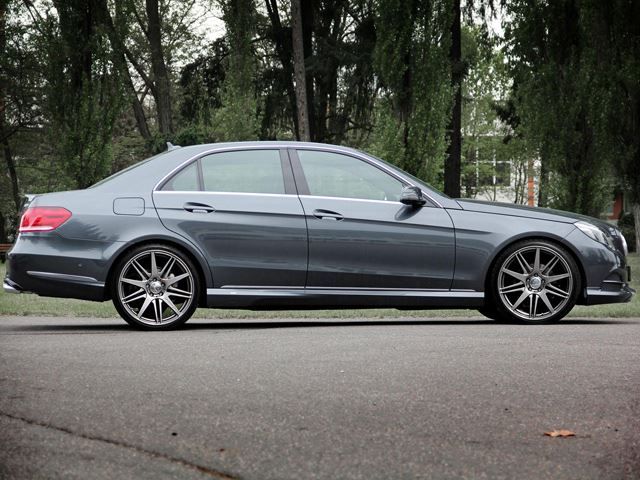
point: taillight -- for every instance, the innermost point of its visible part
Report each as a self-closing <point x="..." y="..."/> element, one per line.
<point x="43" y="219"/>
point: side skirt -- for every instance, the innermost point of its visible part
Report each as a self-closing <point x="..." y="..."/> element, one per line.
<point x="327" y="298"/>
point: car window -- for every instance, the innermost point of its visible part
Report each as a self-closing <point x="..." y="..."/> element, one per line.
<point x="335" y="175"/>
<point x="248" y="171"/>
<point x="184" y="181"/>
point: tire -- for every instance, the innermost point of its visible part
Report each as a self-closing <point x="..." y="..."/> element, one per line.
<point x="155" y="287"/>
<point x="534" y="281"/>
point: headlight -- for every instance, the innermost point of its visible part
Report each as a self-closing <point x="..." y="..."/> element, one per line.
<point x="595" y="233"/>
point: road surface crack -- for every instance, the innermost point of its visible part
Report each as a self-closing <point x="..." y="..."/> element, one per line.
<point x="179" y="461"/>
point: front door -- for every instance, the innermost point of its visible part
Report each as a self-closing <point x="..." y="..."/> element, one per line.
<point x="360" y="235"/>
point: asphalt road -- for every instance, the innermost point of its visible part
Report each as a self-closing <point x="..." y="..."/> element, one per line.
<point x="85" y="398"/>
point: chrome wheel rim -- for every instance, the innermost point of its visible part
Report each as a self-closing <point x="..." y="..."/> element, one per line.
<point x="156" y="287"/>
<point x="535" y="282"/>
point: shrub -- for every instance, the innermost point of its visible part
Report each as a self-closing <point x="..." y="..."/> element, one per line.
<point x="627" y="225"/>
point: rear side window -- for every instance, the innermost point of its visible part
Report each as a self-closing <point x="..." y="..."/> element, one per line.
<point x="249" y="171"/>
<point x="186" y="180"/>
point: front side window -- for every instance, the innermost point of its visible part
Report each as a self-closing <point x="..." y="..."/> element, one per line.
<point x="249" y="171"/>
<point x="335" y="175"/>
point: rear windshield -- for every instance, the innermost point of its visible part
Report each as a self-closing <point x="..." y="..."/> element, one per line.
<point x="129" y="168"/>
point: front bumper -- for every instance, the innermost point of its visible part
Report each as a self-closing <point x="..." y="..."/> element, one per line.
<point x="597" y="296"/>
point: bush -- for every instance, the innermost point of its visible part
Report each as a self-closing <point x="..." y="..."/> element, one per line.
<point x="628" y="227"/>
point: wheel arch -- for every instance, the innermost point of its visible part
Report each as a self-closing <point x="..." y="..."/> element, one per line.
<point x="193" y="255"/>
<point x="547" y="238"/>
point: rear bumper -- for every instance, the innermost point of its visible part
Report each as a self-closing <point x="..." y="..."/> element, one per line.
<point x="10" y="287"/>
<point x="52" y="266"/>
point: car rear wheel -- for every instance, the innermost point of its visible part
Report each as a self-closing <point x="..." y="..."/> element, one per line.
<point x="155" y="287"/>
<point x="534" y="281"/>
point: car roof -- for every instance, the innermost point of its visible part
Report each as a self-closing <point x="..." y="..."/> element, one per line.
<point x="265" y="143"/>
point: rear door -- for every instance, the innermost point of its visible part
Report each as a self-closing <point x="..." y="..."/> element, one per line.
<point x="360" y="235"/>
<point x="241" y="208"/>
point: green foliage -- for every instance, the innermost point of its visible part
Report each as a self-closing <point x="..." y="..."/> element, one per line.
<point x="558" y="100"/>
<point x="201" y="83"/>
<point x="562" y="87"/>
<point x="411" y="58"/>
<point x="237" y="118"/>
<point x="84" y="94"/>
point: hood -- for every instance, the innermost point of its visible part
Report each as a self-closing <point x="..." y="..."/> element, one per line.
<point x="530" y="212"/>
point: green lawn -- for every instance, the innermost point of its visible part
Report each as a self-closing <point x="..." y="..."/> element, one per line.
<point x="34" y="305"/>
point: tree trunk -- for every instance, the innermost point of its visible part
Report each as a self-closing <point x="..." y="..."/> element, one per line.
<point x="543" y="184"/>
<point x="452" y="166"/>
<point x="11" y="168"/>
<point x="120" y="61"/>
<point x="299" y="72"/>
<point x="307" y="22"/>
<point x="162" y="84"/>
<point x="136" y="105"/>
<point x="4" y="238"/>
<point x="635" y="207"/>
<point x="6" y="147"/>
<point x="283" y="51"/>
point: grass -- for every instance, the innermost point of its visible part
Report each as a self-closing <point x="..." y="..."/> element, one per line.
<point x="21" y="305"/>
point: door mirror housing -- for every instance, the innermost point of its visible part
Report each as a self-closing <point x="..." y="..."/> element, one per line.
<point x="412" y="196"/>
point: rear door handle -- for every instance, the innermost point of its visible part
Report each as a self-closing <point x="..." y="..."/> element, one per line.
<point x="194" y="207"/>
<point x="327" y="215"/>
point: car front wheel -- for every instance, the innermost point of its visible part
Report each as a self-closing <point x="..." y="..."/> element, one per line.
<point x="155" y="287"/>
<point x="534" y="281"/>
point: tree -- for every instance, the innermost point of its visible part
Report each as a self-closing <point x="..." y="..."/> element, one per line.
<point x="614" y="41"/>
<point x="302" y="108"/>
<point x="84" y="95"/>
<point x="9" y="64"/>
<point x="452" y="166"/>
<point x="411" y="58"/>
<point x="554" y="88"/>
<point x="237" y="117"/>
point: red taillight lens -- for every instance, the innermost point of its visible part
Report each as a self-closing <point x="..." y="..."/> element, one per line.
<point x="43" y="219"/>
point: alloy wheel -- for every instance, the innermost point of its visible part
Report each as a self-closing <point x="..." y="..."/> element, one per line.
<point x="156" y="287"/>
<point x="535" y="282"/>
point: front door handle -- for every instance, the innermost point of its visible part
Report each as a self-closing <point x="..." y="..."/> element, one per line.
<point x="327" y="215"/>
<point x="194" y="207"/>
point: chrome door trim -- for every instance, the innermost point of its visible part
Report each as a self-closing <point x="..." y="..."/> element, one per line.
<point x="278" y="146"/>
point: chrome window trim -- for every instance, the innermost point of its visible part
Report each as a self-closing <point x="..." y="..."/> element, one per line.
<point x="395" y="202"/>
<point x="210" y="152"/>
<point x="200" y="192"/>
<point x="291" y="145"/>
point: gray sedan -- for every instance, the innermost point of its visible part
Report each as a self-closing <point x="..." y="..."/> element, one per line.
<point x="286" y="225"/>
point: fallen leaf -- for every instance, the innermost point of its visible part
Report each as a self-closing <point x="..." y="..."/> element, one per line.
<point x="560" y="433"/>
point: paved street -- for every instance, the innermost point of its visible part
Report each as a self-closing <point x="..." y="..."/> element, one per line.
<point x="88" y="398"/>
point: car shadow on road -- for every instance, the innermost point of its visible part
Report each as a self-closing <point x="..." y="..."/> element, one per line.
<point x="250" y="324"/>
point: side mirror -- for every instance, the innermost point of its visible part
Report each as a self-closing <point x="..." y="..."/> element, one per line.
<point x="412" y="196"/>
